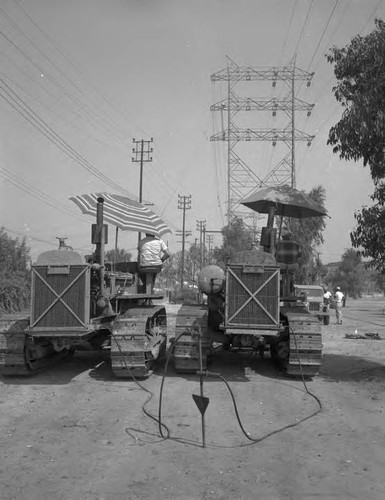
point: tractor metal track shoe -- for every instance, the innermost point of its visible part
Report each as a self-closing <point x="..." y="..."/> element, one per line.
<point x="305" y="345"/>
<point x="138" y="339"/>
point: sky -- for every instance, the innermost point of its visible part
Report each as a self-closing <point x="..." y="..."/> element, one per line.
<point x="80" y="80"/>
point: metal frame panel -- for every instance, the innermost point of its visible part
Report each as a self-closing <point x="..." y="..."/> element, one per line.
<point x="252" y="298"/>
<point x="79" y="316"/>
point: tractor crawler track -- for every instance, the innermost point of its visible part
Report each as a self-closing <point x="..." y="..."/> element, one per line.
<point x="138" y="339"/>
<point x="305" y="345"/>
<point x="21" y="355"/>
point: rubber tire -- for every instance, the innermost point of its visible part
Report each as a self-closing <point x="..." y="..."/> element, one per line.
<point x="327" y="319"/>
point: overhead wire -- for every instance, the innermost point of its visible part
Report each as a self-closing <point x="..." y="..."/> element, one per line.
<point x="60" y="87"/>
<point x="323" y="33"/>
<point x="65" y="75"/>
<point x="27" y="236"/>
<point x="303" y="28"/>
<point x="72" y="64"/>
<point x="217" y="168"/>
<point x="89" y="110"/>
<point x="337" y="108"/>
<point x="47" y="76"/>
<point x="372" y="15"/>
<point x="17" y="103"/>
<point x="288" y="29"/>
<point x="314" y="54"/>
<point x="66" y="93"/>
<point x="30" y="236"/>
<point x="35" y="192"/>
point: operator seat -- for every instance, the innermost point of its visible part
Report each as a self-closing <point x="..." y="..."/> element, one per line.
<point x="147" y="275"/>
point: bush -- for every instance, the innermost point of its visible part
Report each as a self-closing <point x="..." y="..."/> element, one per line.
<point x="14" y="274"/>
<point x="15" y="293"/>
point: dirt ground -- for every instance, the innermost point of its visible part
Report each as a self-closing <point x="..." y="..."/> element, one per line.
<point x="76" y="433"/>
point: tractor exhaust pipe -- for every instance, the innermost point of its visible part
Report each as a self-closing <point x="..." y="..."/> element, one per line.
<point x="99" y="234"/>
<point x="99" y="222"/>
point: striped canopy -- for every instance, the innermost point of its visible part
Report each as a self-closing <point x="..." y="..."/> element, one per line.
<point x="122" y="212"/>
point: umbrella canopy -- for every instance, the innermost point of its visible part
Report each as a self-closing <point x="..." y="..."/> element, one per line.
<point x="123" y="212"/>
<point x="287" y="201"/>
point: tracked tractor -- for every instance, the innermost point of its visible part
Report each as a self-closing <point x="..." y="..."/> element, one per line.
<point x="80" y="305"/>
<point x="251" y="305"/>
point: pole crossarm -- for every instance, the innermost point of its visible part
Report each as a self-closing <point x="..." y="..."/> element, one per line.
<point x="270" y="134"/>
<point x="261" y="104"/>
<point x="248" y="73"/>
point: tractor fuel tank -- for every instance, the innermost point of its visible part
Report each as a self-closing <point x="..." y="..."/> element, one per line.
<point x="211" y="279"/>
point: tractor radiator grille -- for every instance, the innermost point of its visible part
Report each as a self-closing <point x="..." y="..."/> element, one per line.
<point x="61" y="298"/>
<point x="252" y="297"/>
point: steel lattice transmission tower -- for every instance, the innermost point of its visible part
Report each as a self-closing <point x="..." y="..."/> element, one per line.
<point x="243" y="178"/>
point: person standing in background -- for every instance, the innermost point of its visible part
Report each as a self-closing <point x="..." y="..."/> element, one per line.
<point x="338" y="298"/>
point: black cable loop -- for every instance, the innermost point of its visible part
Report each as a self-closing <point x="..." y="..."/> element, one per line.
<point x="141" y="386"/>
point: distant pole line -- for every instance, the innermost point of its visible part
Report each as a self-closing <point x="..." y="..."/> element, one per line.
<point x="184" y="203"/>
<point x="142" y="152"/>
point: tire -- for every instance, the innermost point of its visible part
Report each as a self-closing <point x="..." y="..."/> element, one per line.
<point x="327" y="319"/>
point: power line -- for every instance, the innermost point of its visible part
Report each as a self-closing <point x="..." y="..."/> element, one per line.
<point x="371" y="15"/>
<point x="303" y="27"/>
<point x="58" y="49"/>
<point x="36" y="193"/>
<point x="64" y="74"/>
<point x="89" y="110"/>
<point x="323" y="33"/>
<point x="34" y="119"/>
<point x="288" y="29"/>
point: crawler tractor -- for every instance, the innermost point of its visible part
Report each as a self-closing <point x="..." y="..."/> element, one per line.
<point x="251" y="305"/>
<point x="80" y="305"/>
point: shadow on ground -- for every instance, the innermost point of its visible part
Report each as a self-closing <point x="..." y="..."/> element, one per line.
<point x="61" y="372"/>
<point x="233" y="366"/>
<point x="346" y="368"/>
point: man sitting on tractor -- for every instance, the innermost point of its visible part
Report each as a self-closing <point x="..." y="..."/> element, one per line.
<point x="152" y="253"/>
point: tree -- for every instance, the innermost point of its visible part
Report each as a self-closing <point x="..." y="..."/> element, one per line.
<point x="360" y="71"/>
<point x="236" y="238"/>
<point x="172" y="267"/>
<point x="350" y="274"/>
<point x="309" y="234"/>
<point x="14" y="273"/>
<point x="121" y="255"/>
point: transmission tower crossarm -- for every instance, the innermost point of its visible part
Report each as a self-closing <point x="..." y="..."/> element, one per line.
<point x="241" y="178"/>
<point x="248" y="73"/>
<point x="261" y="104"/>
<point x="271" y="135"/>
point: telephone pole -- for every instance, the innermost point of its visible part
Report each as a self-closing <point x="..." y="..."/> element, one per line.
<point x="210" y="240"/>
<point x="184" y="203"/>
<point x="201" y="227"/>
<point x="142" y="154"/>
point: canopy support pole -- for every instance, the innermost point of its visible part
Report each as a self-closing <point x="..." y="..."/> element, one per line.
<point x="116" y="247"/>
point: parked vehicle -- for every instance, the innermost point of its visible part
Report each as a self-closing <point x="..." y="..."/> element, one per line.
<point x="79" y="305"/>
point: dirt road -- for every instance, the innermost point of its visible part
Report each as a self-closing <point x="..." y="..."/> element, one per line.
<point x="76" y="433"/>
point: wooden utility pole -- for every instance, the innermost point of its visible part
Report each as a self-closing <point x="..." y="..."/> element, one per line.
<point x="201" y="226"/>
<point x="142" y="154"/>
<point x="184" y="203"/>
<point x="210" y="239"/>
